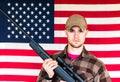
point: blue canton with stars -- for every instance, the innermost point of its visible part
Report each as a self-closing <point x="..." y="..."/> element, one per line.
<point x="35" y="17"/>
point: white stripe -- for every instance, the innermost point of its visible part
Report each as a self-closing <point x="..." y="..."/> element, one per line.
<point x="114" y="74"/>
<point x="13" y="71"/>
<point x="110" y="60"/>
<point x="90" y="47"/>
<point x="27" y="59"/>
<point x="93" y="34"/>
<point x="35" y="72"/>
<point x="87" y="7"/>
<point x="32" y="59"/>
<point x="110" y="20"/>
<point x="103" y="47"/>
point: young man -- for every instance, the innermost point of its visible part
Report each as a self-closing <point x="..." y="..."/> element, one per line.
<point x="85" y="64"/>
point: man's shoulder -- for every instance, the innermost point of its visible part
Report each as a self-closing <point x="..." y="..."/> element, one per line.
<point x="56" y="54"/>
<point x="95" y="59"/>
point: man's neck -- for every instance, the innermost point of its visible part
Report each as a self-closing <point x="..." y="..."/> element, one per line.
<point x="73" y="50"/>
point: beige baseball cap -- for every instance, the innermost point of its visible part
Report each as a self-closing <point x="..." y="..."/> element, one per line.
<point x="76" y="20"/>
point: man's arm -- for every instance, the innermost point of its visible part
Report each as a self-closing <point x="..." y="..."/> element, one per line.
<point x="102" y="75"/>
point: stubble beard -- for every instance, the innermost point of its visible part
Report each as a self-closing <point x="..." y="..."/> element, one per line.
<point x="74" y="46"/>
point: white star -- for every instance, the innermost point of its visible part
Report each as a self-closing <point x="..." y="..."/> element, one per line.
<point x="32" y="36"/>
<point x="28" y="24"/>
<point x="48" y="4"/>
<point x="16" y="12"/>
<point x="24" y="20"/>
<point x="43" y="24"/>
<point x="32" y="4"/>
<point x="8" y="36"/>
<point x="12" y="8"/>
<point x="9" y="28"/>
<point x="16" y="36"/>
<point x="40" y="12"/>
<point x="20" y="8"/>
<point x="48" y="20"/>
<point x="12" y="24"/>
<point x="36" y="33"/>
<point x="32" y="12"/>
<point x="36" y="8"/>
<point x="48" y="37"/>
<point x="16" y="20"/>
<point x="40" y="28"/>
<point x="48" y="29"/>
<point x="36" y="24"/>
<point x="9" y="12"/>
<point x="20" y="16"/>
<point x="13" y="32"/>
<point x="44" y="33"/>
<point x="40" y="4"/>
<point x="44" y="8"/>
<point x="20" y="32"/>
<point x="44" y="16"/>
<point x="28" y="32"/>
<point x="28" y="16"/>
<point x="16" y="28"/>
<point x="36" y="16"/>
<point x="8" y="20"/>
<point x="24" y="36"/>
<point x="32" y="20"/>
<point x="40" y="20"/>
<point x="28" y="8"/>
<point x="32" y="28"/>
<point x="16" y="4"/>
<point x="24" y="4"/>
<point x="9" y="4"/>
<point x="13" y="16"/>
<point x="24" y="12"/>
<point x="48" y="12"/>
<point x="39" y="37"/>
<point x="20" y="24"/>
<point x="24" y="28"/>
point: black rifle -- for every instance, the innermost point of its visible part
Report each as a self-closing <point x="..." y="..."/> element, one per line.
<point x="44" y="55"/>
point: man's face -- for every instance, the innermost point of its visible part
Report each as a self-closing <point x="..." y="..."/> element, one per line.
<point x="76" y="37"/>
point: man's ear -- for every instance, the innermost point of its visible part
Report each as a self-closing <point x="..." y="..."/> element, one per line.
<point x="86" y="32"/>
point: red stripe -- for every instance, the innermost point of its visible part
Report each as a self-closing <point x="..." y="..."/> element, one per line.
<point x="31" y="78"/>
<point x="91" y="40"/>
<point x="106" y="53"/>
<point x="115" y="79"/>
<point x="17" y="52"/>
<point x="113" y="67"/>
<point x="20" y="52"/>
<point x="88" y="14"/>
<point x="18" y="78"/>
<point x="110" y="67"/>
<point x="20" y="65"/>
<point x="102" y="40"/>
<point x="86" y="1"/>
<point x="105" y="27"/>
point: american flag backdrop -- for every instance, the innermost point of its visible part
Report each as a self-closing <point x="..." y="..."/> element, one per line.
<point x="44" y="21"/>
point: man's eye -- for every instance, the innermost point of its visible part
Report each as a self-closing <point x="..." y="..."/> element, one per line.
<point x="80" y="30"/>
<point x="71" y="30"/>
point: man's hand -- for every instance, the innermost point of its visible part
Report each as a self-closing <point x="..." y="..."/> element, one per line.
<point x="49" y="65"/>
